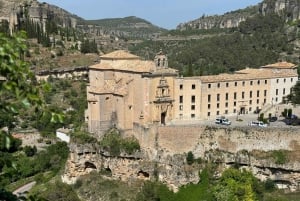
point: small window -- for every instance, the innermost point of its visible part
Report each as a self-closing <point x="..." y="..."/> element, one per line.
<point x="277" y="80"/>
<point x="208" y="106"/>
<point x="258" y="82"/>
<point x="251" y="82"/>
<point x="192" y="115"/>
<point x="234" y="103"/>
<point x="234" y="95"/>
<point x="193" y="99"/>
<point x="226" y="96"/>
<point x="257" y="93"/>
<point x="193" y="86"/>
<point x="218" y="85"/>
<point x="180" y="107"/>
<point x="218" y="105"/>
<point x="235" y="84"/>
<point x="257" y="101"/>
<point x="250" y="102"/>
<point x="243" y="95"/>
<point x="250" y="95"/>
<point x="283" y="91"/>
<point x="234" y="110"/>
<point x="265" y="100"/>
<point x="276" y="99"/>
<point x="208" y="114"/>
<point x="266" y="81"/>
<point x="192" y="107"/>
<point x="292" y="79"/>
<point x="209" y="86"/>
<point x="265" y="92"/>
<point x="284" y="80"/>
<point x="276" y="92"/>
<point x="226" y="111"/>
<point x="218" y="112"/>
<point x="250" y="109"/>
<point x="181" y="87"/>
<point x="180" y="99"/>
<point x="243" y="83"/>
<point x="218" y="97"/>
<point x="208" y="97"/>
<point x="227" y="84"/>
<point x="226" y="104"/>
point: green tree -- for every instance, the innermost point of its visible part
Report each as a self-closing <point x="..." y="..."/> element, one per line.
<point x="190" y="158"/>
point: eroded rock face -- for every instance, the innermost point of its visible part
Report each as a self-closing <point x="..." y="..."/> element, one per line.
<point x="164" y="150"/>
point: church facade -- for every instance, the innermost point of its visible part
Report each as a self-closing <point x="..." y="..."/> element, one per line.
<point x="125" y="90"/>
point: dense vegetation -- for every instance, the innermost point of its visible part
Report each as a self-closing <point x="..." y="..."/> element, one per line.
<point x="258" y="41"/>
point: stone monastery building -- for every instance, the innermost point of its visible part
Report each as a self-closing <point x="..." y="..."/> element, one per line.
<point x="125" y="91"/>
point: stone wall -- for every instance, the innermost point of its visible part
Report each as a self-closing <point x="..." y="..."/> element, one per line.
<point x="164" y="150"/>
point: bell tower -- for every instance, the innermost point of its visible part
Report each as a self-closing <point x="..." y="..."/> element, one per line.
<point x="161" y="60"/>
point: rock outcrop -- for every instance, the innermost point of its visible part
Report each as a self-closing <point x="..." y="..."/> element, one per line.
<point x="164" y="150"/>
<point x="289" y="9"/>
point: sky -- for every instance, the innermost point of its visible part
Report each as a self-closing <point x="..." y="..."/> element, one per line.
<point x="163" y="13"/>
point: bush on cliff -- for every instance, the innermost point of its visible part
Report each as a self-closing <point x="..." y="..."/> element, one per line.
<point x="115" y="144"/>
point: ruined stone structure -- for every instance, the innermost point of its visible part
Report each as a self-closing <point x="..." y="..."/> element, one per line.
<point x="80" y="72"/>
<point x="125" y="90"/>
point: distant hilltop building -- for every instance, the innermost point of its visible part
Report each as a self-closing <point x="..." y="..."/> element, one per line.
<point x="125" y="91"/>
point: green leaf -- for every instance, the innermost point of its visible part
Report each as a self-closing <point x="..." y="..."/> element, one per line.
<point x="26" y="103"/>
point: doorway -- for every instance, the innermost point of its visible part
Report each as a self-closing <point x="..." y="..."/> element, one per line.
<point x="163" y="118"/>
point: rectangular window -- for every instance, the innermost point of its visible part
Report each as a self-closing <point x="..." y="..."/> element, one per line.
<point x="234" y="110"/>
<point x="208" y="97"/>
<point x="257" y="93"/>
<point x="193" y="99"/>
<point x="243" y="95"/>
<point x="226" y="96"/>
<point x="234" y="96"/>
<point x="180" y="107"/>
<point x="266" y="81"/>
<point x="218" y="112"/>
<point x="227" y="84"/>
<point x="291" y="79"/>
<point x="235" y="84"/>
<point x="250" y="102"/>
<point x="243" y="83"/>
<point x="258" y="82"/>
<point x="192" y="116"/>
<point x="251" y="82"/>
<point x="284" y="80"/>
<point x="218" y="85"/>
<point x="218" y="105"/>
<point x="208" y="106"/>
<point x="192" y="107"/>
<point x="257" y="101"/>
<point x="265" y="92"/>
<point x="209" y="86"/>
<point x="218" y="97"/>
<point x="180" y="99"/>
<point x="277" y="80"/>
<point x="226" y="111"/>
<point x="226" y="104"/>
<point x="234" y="103"/>
<point x="193" y="86"/>
<point x="250" y="109"/>
<point x="181" y="87"/>
<point x="250" y="95"/>
<point x="265" y="100"/>
<point x="208" y="114"/>
<point x="276" y="92"/>
<point x="283" y="91"/>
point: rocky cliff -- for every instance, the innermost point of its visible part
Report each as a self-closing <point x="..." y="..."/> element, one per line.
<point x="289" y="9"/>
<point x="164" y="151"/>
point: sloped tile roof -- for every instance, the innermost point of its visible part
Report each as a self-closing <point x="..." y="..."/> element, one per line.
<point x="281" y="65"/>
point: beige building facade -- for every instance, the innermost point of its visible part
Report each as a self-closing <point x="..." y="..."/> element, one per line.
<point x="125" y="90"/>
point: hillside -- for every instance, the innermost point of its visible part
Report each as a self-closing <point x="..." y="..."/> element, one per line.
<point x="128" y="26"/>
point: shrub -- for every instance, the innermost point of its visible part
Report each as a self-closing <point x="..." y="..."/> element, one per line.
<point x="280" y="156"/>
<point x="190" y="158"/>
